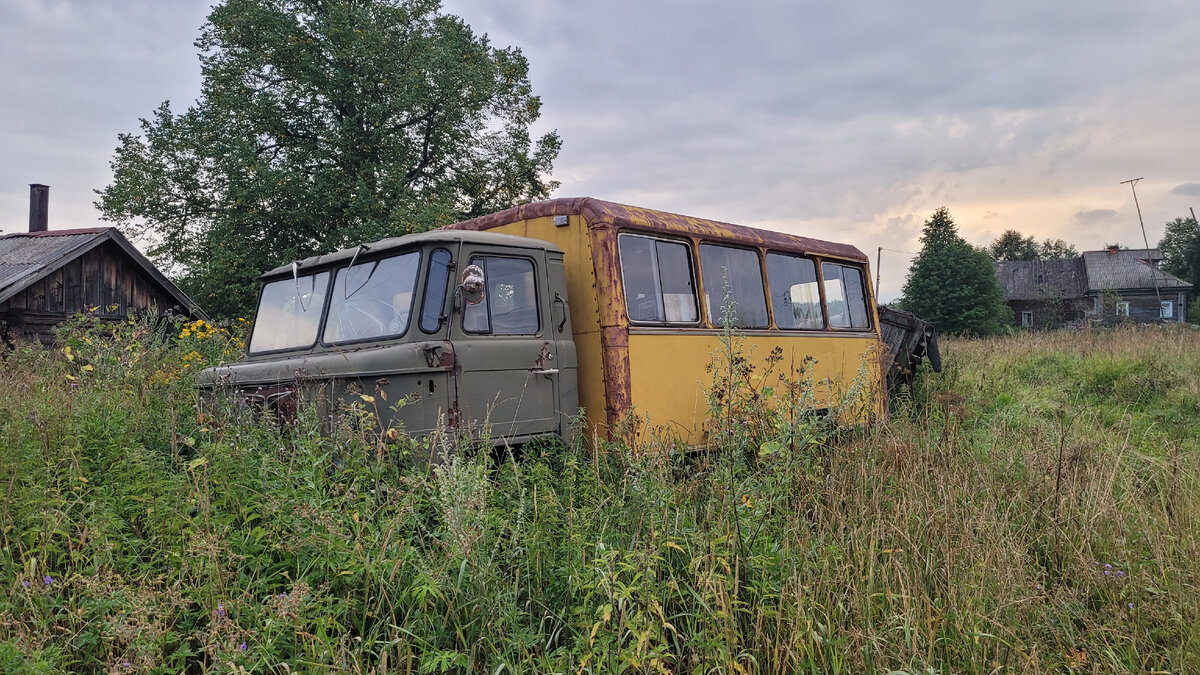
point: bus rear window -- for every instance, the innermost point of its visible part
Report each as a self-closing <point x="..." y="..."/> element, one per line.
<point x="845" y="296"/>
<point x="658" y="280"/>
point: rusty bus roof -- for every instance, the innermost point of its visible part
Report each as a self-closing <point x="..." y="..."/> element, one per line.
<point x="599" y="213"/>
<point x="370" y="250"/>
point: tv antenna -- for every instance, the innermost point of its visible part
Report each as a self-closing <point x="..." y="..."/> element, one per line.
<point x="1133" y="186"/>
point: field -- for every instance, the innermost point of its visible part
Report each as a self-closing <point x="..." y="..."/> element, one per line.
<point x="1032" y="509"/>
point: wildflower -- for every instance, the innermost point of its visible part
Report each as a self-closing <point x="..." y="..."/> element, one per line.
<point x="221" y="610"/>
<point x="1039" y="587"/>
<point x="242" y="647"/>
<point x="126" y="664"/>
<point x="26" y="583"/>
<point x="1120" y="573"/>
<point x="1108" y="566"/>
<point x="1107" y="572"/>
<point x="48" y="580"/>
<point x="1131" y="605"/>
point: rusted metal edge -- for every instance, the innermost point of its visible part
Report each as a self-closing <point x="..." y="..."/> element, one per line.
<point x="599" y="213"/>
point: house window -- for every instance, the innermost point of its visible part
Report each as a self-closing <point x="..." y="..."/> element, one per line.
<point x="1166" y="309"/>
<point x="1027" y="318"/>
<point x="1122" y="309"/>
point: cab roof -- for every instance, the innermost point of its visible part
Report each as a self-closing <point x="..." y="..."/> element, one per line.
<point x="374" y="249"/>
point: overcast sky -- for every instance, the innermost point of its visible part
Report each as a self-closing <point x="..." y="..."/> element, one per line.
<point x="846" y="121"/>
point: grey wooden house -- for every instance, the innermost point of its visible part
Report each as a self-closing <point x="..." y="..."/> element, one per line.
<point x="48" y="275"/>
<point x="1108" y="286"/>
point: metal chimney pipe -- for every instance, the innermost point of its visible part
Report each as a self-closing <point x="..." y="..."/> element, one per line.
<point x="39" y="205"/>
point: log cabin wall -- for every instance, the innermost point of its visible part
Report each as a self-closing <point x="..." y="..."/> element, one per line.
<point x="103" y="278"/>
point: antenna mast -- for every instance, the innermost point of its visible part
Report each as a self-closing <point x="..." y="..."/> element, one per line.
<point x="1133" y="186"/>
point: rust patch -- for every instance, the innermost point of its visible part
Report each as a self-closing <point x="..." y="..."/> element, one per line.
<point x="543" y="358"/>
<point x="440" y="356"/>
<point x="618" y="396"/>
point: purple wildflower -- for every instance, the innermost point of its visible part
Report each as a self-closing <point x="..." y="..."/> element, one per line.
<point x="26" y="582"/>
<point x="243" y="646"/>
<point x="1039" y="587"/>
<point x="1131" y="605"/>
<point x="126" y="665"/>
<point x="1120" y="573"/>
<point x="1107" y="572"/>
<point x="1108" y="566"/>
<point x="48" y="580"/>
<point x="221" y="610"/>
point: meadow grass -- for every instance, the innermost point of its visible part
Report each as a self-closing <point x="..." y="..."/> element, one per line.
<point x="1031" y="509"/>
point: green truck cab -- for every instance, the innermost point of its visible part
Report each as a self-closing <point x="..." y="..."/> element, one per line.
<point x="464" y="329"/>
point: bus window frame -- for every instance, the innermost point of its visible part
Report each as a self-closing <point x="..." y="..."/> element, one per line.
<point x="762" y="278"/>
<point x="693" y="269"/>
<point x="868" y="299"/>
<point x="817" y="279"/>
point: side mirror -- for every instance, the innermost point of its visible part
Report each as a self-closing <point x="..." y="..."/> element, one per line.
<point x="471" y="284"/>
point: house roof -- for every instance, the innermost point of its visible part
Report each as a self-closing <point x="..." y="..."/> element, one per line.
<point x="1041" y="279"/>
<point x="28" y="257"/>
<point x="1128" y="269"/>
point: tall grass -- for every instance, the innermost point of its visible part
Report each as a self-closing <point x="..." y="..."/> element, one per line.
<point x="1032" y="509"/>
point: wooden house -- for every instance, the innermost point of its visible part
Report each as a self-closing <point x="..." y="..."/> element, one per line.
<point x="48" y="275"/>
<point x="1107" y="286"/>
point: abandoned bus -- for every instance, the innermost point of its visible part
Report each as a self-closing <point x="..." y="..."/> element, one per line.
<point x="519" y="319"/>
<point x="647" y="290"/>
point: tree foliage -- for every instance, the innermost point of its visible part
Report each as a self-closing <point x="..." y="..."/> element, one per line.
<point x="953" y="285"/>
<point x="1012" y="246"/>
<point x="1180" y="247"/>
<point x="323" y="124"/>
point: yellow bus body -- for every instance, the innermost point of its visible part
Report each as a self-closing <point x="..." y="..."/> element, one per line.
<point x="660" y="373"/>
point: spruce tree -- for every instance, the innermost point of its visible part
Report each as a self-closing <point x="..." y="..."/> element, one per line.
<point x="953" y="285"/>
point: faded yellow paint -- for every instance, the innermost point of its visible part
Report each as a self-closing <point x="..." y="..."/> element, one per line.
<point x="669" y="377"/>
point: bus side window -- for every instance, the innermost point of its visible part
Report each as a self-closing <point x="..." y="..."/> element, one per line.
<point x="658" y="281"/>
<point x="795" y="298"/>
<point x="739" y="267"/>
<point x="845" y="296"/>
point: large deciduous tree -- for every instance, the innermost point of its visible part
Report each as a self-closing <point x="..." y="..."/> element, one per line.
<point x="952" y="284"/>
<point x="323" y="123"/>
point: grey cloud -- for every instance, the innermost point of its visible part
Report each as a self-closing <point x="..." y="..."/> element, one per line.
<point x="1187" y="189"/>
<point x="1095" y="217"/>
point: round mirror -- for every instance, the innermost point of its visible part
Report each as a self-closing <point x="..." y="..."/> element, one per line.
<point x="472" y="284"/>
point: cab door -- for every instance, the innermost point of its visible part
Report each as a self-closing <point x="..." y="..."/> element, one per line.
<point x="506" y="356"/>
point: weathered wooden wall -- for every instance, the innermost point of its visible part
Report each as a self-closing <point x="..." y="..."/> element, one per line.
<point x="103" y="278"/>
<point x="1052" y="313"/>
